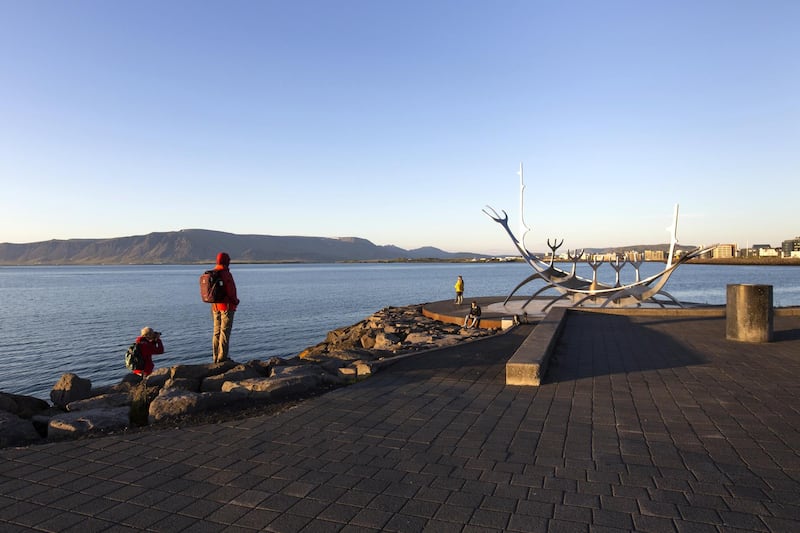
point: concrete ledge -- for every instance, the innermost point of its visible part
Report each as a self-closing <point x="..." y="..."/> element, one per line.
<point x="485" y="323"/>
<point x="529" y="363"/>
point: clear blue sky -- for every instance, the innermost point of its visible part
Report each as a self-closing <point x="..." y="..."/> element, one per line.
<point x="399" y="121"/>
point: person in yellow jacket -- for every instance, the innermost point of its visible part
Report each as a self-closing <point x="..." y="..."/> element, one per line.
<point x="459" y="290"/>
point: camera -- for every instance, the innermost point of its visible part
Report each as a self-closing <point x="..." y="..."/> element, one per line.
<point x="157" y="333"/>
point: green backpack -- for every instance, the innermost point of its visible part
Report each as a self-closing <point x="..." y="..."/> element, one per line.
<point x="133" y="358"/>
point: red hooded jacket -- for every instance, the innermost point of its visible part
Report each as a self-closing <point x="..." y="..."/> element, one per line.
<point x="148" y="349"/>
<point x="231" y="300"/>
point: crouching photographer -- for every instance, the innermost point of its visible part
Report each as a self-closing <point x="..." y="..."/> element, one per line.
<point x="149" y="345"/>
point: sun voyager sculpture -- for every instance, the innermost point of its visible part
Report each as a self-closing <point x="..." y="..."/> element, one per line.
<point x="583" y="292"/>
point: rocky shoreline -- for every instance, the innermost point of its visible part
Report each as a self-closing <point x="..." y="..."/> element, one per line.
<point x="192" y="394"/>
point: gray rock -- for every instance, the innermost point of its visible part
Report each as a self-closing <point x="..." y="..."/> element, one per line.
<point x="171" y="403"/>
<point x="272" y="388"/>
<point x="123" y="386"/>
<point x="367" y="342"/>
<point x="363" y="369"/>
<point x="156" y="379"/>
<point x="473" y="332"/>
<point x="41" y="421"/>
<point x="237" y="373"/>
<point x="117" y="399"/>
<point x="20" y="405"/>
<point x="187" y="384"/>
<point x="296" y="370"/>
<point x="70" y="388"/>
<point x="129" y="380"/>
<point x="347" y="375"/>
<point x="340" y="354"/>
<point x="16" y="431"/>
<point x="201" y="372"/>
<point x="76" y="424"/>
<point x="419" y="337"/>
<point x="327" y="374"/>
<point x="386" y="341"/>
<point x="159" y="377"/>
<point x="265" y="366"/>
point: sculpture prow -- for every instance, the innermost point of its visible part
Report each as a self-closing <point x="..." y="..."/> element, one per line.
<point x="583" y="291"/>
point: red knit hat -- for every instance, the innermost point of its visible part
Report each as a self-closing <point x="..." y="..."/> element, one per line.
<point x="223" y="259"/>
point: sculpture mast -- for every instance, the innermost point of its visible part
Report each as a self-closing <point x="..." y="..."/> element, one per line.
<point x="673" y="237"/>
<point x="523" y="228"/>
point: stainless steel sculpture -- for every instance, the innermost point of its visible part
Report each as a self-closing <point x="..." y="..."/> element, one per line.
<point x="584" y="292"/>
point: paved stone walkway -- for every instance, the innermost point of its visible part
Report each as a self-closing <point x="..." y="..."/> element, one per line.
<point x="646" y="424"/>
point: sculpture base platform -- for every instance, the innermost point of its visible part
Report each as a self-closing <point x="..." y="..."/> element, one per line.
<point x="494" y="313"/>
<point x="499" y="315"/>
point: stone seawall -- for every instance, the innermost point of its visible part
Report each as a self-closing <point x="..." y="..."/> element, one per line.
<point x="184" y="392"/>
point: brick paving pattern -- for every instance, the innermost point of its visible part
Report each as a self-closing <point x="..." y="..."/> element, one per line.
<point x="644" y="423"/>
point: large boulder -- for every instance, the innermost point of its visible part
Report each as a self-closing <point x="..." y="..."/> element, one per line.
<point x="347" y="336"/>
<point x="22" y="406"/>
<point x="78" y="423"/>
<point x="116" y="399"/>
<point x="200" y="372"/>
<point x="237" y="373"/>
<point x="363" y="369"/>
<point x="419" y="337"/>
<point x="16" y="431"/>
<point x="319" y="373"/>
<point x="273" y="388"/>
<point x="187" y="384"/>
<point x="367" y="342"/>
<point x="322" y="353"/>
<point x="296" y="370"/>
<point x="126" y="385"/>
<point x="172" y="403"/>
<point x="387" y="341"/>
<point x="266" y="366"/>
<point x="159" y="377"/>
<point x="131" y="380"/>
<point x="70" y="388"/>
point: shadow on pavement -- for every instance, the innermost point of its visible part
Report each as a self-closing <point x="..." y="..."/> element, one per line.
<point x="786" y="335"/>
<point x="593" y="345"/>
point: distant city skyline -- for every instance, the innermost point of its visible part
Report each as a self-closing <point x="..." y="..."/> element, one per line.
<point x="400" y="122"/>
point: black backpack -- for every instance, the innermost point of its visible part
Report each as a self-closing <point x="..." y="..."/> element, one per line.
<point x="211" y="287"/>
<point x="133" y="358"/>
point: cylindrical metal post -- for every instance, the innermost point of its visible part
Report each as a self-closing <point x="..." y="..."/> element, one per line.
<point x="749" y="313"/>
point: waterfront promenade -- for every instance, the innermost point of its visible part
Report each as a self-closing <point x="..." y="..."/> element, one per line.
<point x="643" y="423"/>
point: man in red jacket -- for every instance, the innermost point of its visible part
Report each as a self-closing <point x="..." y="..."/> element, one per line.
<point x="222" y="312"/>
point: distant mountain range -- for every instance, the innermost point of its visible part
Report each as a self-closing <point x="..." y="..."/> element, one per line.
<point x="201" y="246"/>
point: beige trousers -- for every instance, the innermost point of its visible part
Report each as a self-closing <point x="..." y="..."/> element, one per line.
<point x="223" y="323"/>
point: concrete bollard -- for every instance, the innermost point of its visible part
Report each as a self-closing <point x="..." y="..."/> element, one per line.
<point x="749" y="313"/>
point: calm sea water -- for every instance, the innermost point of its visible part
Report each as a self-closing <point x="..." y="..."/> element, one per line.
<point x="81" y="319"/>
